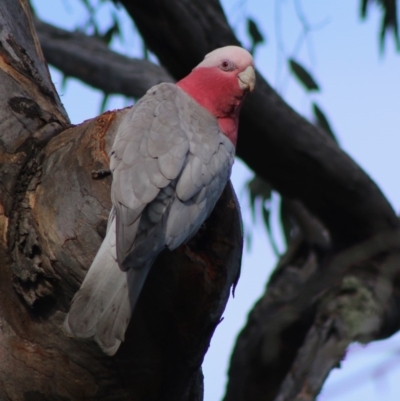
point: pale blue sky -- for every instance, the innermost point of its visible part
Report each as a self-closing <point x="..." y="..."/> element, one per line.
<point x="360" y="94"/>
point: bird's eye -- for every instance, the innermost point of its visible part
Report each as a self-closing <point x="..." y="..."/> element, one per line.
<point x="227" y="65"/>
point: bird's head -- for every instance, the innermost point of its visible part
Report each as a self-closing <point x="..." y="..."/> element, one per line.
<point x="219" y="84"/>
<point x="232" y="64"/>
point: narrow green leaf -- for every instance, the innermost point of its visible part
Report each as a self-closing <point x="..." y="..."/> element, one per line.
<point x="323" y="122"/>
<point x="266" y="217"/>
<point x="96" y="30"/>
<point x="389" y="20"/>
<point x="107" y="36"/>
<point x="252" y="196"/>
<point x="248" y="240"/>
<point x="364" y="4"/>
<point x="382" y="37"/>
<point x="145" y="52"/>
<point x="118" y="26"/>
<point x="255" y="34"/>
<point x="286" y="221"/>
<point x="64" y="82"/>
<point x="258" y="188"/>
<point x="104" y="103"/>
<point x="303" y="76"/>
<point x="88" y="6"/>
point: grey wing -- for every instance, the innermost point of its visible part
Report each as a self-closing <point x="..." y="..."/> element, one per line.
<point x="203" y="178"/>
<point x="149" y="152"/>
<point x="170" y="163"/>
<point x="197" y="191"/>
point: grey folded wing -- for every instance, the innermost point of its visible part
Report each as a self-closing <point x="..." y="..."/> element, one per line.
<point x="170" y="163"/>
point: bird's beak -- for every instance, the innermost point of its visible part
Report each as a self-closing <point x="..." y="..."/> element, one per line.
<point x="247" y="79"/>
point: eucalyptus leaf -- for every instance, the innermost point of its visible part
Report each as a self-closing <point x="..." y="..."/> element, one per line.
<point x="254" y="31"/>
<point x="389" y="21"/>
<point x="286" y="221"/>
<point x="258" y="188"/>
<point x="303" y="76"/>
<point x="255" y="34"/>
<point x="64" y="82"/>
<point x="266" y="214"/>
<point x="107" y="36"/>
<point x="322" y="121"/>
<point x="104" y="103"/>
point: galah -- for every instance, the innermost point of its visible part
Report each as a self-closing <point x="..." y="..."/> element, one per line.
<point x="170" y="161"/>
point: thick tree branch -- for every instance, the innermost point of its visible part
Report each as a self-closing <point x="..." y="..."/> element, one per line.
<point x="90" y="60"/>
<point x="351" y="312"/>
<point x="30" y="110"/>
<point x="312" y="310"/>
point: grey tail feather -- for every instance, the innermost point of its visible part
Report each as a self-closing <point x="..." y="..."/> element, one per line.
<point x="103" y="306"/>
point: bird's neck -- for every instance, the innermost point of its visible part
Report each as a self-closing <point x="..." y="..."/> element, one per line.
<point x="218" y="93"/>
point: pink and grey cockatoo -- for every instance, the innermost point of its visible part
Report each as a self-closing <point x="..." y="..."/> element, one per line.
<point x="170" y="162"/>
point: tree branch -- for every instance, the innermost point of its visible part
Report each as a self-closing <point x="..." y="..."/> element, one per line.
<point x="352" y="312"/>
<point x="90" y="60"/>
<point x="30" y="110"/>
<point x="314" y="307"/>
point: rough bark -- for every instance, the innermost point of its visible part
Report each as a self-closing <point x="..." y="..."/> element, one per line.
<point x="53" y="218"/>
<point x="314" y="307"/>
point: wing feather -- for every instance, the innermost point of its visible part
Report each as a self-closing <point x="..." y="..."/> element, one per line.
<point x="170" y="164"/>
<point x="154" y="173"/>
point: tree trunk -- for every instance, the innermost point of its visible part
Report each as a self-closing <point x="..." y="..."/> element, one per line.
<point x="53" y="218"/>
